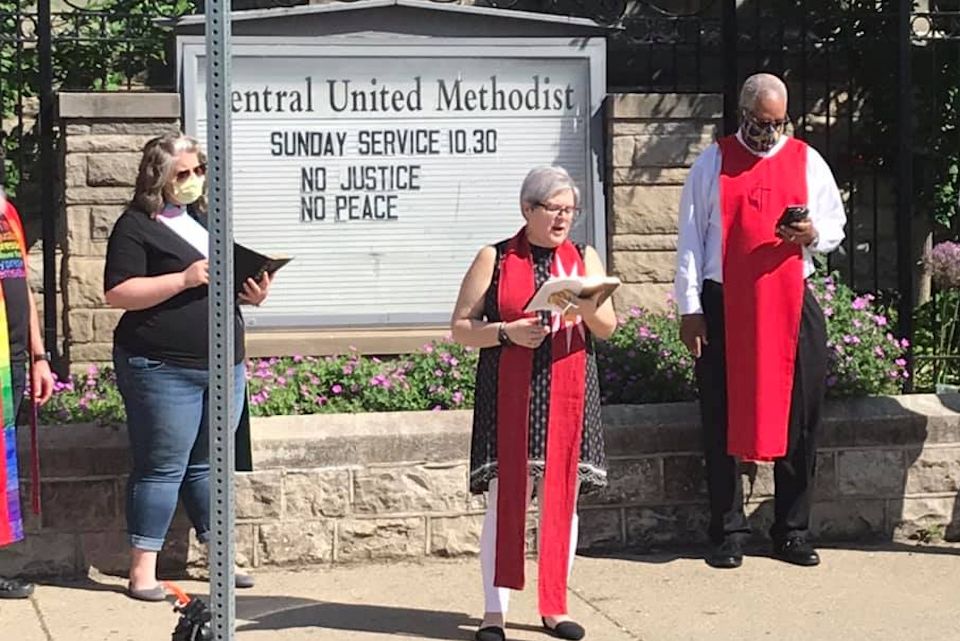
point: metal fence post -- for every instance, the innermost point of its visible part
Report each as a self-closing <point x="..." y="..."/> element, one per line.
<point x="222" y="314"/>
<point x="905" y="192"/>
<point x="48" y="174"/>
<point x="731" y="60"/>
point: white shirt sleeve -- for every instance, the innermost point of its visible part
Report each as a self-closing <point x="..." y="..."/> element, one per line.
<point x="694" y="217"/>
<point x="825" y="204"/>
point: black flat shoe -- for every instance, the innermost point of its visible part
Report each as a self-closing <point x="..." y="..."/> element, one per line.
<point x="566" y="630"/>
<point x="726" y="556"/>
<point x="15" y="589"/>
<point x="490" y="633"/>
<point x="796" y="551"/>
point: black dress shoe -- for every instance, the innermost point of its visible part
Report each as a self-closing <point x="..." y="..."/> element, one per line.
<point x="797" y="551"/>
<point x="492" y="633"/>
<point x="726" y="556"/>
<point x="566" y="630"/>
<point x="15" y="589"/>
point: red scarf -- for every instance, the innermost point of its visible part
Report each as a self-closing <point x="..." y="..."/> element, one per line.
<point x="762" y="294"/>
<point x="564" y="431"/>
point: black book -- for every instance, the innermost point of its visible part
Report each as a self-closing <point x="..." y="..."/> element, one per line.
<point x="248" y="263"/>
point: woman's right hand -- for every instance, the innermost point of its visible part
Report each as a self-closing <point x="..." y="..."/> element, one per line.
<point x="197" y="274"/>
<point x="526" y="332"/>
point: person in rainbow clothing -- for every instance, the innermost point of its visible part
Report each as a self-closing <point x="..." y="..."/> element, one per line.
<point x="21" y="351"/>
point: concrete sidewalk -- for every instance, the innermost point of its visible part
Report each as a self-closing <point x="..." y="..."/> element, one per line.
<point x="890" y="594"/>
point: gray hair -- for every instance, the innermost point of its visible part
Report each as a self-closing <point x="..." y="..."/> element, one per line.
<point x="759" y="85"/>
<point x="543" y="182"/>
<point x="156" y="171"/>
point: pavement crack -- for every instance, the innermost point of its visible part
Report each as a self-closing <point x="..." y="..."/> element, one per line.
<point x="621" y="626"/>
<point x="40" y="619"/>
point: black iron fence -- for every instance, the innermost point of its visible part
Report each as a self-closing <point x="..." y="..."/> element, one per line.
<point x="874" y="86"/>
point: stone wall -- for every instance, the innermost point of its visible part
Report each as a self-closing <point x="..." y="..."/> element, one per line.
<point x="652" y="140"/>
<point x="354" y="488"/>
<point x="103" y="137"/>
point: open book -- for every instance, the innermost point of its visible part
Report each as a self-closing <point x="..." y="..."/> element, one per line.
<point x="550" y="296"/>
<point x="250" y="264"/>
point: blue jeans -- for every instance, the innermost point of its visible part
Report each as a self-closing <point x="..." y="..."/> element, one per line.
<point x="169" y="442"/>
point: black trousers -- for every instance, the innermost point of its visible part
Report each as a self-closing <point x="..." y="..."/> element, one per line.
<point x="794" y="473"/>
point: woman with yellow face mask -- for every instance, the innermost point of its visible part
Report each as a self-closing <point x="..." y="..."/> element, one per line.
<point x="156" y="271"/>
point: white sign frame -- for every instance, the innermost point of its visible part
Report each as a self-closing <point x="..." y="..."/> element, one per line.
<point x="190" y="49"/>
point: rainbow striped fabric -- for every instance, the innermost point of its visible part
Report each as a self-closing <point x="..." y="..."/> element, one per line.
<point x="11" y="521"/>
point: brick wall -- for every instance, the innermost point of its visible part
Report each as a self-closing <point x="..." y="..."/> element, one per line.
<point x="351" y="488"/>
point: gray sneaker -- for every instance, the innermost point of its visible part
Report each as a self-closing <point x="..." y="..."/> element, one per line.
<point x="15" y="589"/>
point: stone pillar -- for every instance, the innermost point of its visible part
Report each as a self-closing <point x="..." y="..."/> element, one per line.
<point x="103" y="135"/>
<point x="653" y="140"/>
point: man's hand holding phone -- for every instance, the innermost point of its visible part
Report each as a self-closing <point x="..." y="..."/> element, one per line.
<point x="795" y="226"/>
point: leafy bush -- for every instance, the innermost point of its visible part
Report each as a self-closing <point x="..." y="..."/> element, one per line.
<point x="937" y="321"/>
<point x="643" y="362"/>
<point x="864" y="356"/>
<point x="89" y="398"/>
<point x="438" y="377"/>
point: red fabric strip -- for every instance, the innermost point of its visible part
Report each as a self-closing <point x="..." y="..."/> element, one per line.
<point x="763" y="294"/>
<point x="34" y="449"/>
<point x="564" y="431"/>
<point x="515" y="372"/>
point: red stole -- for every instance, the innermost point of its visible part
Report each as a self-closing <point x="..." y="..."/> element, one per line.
<point x="763" y="294"/>
<point x="564" y="431"/>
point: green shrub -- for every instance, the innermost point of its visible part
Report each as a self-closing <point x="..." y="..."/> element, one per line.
<point x="643" y="362"/>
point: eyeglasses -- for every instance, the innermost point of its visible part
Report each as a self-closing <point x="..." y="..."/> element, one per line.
<point x="199" y="171"/>
<point x="767" y="124"/>
<point x="553" y="209"/>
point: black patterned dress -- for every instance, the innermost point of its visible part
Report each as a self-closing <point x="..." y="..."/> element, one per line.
<point x="483" y="451"/>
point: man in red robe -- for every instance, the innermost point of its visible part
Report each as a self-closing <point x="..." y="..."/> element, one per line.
<point x="756" y="207"/>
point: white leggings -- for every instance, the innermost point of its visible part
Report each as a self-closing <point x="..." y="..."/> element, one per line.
<point x="498" y="599"/>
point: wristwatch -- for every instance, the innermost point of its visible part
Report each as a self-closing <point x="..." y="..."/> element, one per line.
<point x="45" y="356"/>
<point x="502" y="335"/>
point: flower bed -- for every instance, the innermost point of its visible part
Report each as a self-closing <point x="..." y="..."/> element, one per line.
<point x="644" y="362"/>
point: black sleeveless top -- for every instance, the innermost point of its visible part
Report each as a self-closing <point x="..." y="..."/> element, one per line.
<point x="483" y="451"/>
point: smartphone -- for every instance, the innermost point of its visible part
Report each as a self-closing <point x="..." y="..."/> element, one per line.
<point x="793" y="214"/>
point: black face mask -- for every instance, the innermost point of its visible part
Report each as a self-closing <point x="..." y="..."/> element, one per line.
<point x="758" y="135"/>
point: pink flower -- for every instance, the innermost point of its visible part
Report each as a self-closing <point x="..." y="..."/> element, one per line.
<point x="337" y="389"/>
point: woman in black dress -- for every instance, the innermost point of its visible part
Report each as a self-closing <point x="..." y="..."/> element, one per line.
<point x="537" y="415"/>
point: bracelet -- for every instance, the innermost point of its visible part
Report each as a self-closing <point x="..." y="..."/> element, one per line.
<point x="502" y="336"/>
